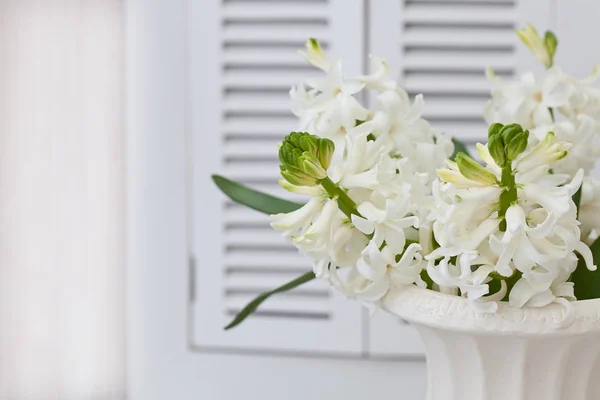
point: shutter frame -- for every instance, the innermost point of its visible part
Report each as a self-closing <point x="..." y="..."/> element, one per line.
<point x="239" y="111"/>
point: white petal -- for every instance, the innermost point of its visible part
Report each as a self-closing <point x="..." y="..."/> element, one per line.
<point x="371" y="272"/>
<point x="520" y="293"/>
<point x="515" y="219"/>
<point x="375" y="290"/>
<point x="586" y="253"/>
<point x="362" y="224"/>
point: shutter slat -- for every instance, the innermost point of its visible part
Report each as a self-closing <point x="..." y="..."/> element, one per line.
<point x="457" y="17"/>
<point x="242" y="283"/>
<point x="310" y="306"/>
<point x="443" y="61"/>
<point x="257" y="106"/>
<point x="261" y="11"/>
<point x="266" y="78"/>
<point x="271" y="36"/>
<point x="441" y="83"/>
<point x="267" y="261"/>
<point x="266" y="238"/>
<point x="459" y="39"/>
<point x="440" y="107"/>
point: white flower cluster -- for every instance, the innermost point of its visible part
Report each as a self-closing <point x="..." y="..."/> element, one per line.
<point x="384" y="161"/>
<point x="533" y="247"/>
<point x="388" y="208"/>
<point x="557" y="102"/>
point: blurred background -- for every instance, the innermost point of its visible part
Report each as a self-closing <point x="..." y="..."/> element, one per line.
<point x="119" y="260"/>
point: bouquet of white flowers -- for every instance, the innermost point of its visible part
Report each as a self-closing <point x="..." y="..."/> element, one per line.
<point x="393" y="202"/>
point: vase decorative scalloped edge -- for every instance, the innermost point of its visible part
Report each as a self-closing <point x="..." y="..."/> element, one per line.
<point x="515" y="354"/>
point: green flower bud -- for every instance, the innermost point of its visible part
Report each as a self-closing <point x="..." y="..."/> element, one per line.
<point x="311" y="165"/>
<point x="305" y="158"/>
<point x="496" y="149"/>
<point x="315" y="55"/>
<point x="509" y="131"/>
<point x="297" y="177"/>
<point x="536" y="44"/>
<point x="494" y="129"/>
<point x="326" y="148"/>
<point x="517" y="145"/>
<point x="551" y="43"/>
<point x="474" y="171"/>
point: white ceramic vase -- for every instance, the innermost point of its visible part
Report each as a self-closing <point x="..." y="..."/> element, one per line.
<point x="515" y="354"/>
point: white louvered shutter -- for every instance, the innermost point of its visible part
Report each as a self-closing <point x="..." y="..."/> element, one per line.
<point x="243" y="62"/>
<point x="441" y="49"/>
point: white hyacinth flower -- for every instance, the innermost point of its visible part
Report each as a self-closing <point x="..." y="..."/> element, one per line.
<point x="377" y="271"/>
<point x="584" y="138"/>
<point x="472" y="281"/>
<point x="589" y="210"/>
<point x="540" y="230"/>
<point x="528" y="101"/>
<point x="388" y="224"/>
<point x="413" y="137"/>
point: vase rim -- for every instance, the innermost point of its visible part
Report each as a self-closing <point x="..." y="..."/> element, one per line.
<point x="454" y="313"/>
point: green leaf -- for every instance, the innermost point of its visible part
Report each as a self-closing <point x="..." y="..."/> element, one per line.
<point x="254" y="304"/>
<point x="577" y="199"/>
<point x="254" y="199"/>
<point x="459" y="147"/>
<point x="587" y="283"/>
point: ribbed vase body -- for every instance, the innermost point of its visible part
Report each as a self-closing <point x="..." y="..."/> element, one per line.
<point x="548" y="353"/>
<point x="487" y="367"/>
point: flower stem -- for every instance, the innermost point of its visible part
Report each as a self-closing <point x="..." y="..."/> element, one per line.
<point x="508" y="195"/>
<point x="346" y="204"/>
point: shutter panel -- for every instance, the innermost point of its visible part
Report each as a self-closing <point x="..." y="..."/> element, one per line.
<point x="239" y="112"/>
<point x="446" y="46"/>
<point x="442" y="48"/>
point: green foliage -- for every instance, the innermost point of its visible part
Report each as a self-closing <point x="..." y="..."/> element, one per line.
<point x="459" y="147"/>
<point x="254" y="304"/>
<point x="587" y="283"/>
<point x="253" y="198"/>
<point x="577" y="199"/>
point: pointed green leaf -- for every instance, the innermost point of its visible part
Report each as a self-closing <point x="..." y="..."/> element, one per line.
<point x="577" y="199"/>
<point x="253" y="198"/>
<point x="459" y="147"/>
<point x="587" y="283"/>
<point x="254" y="304"/>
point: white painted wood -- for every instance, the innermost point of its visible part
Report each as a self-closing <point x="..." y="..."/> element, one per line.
<point x="239" y="110"/>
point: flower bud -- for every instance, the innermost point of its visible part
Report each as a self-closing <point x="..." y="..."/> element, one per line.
<point x="326" y="148"/>
<point x="297" y="177"/>
<point x="517" y="145"/>
<point x="474" y="171"/>
<point x="315" y="55"/>
<point x="310" y="165"/>
<point x="551" y="42"/>
<point x="494" y="129"/>
<point x="508" y="132"/>
<point x="542" y="49"/>
<point x="496" y="149"/>
<point x="305" y="158"/>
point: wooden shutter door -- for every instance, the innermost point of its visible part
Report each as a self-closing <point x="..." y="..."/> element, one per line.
<point x="244" y="60"/>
